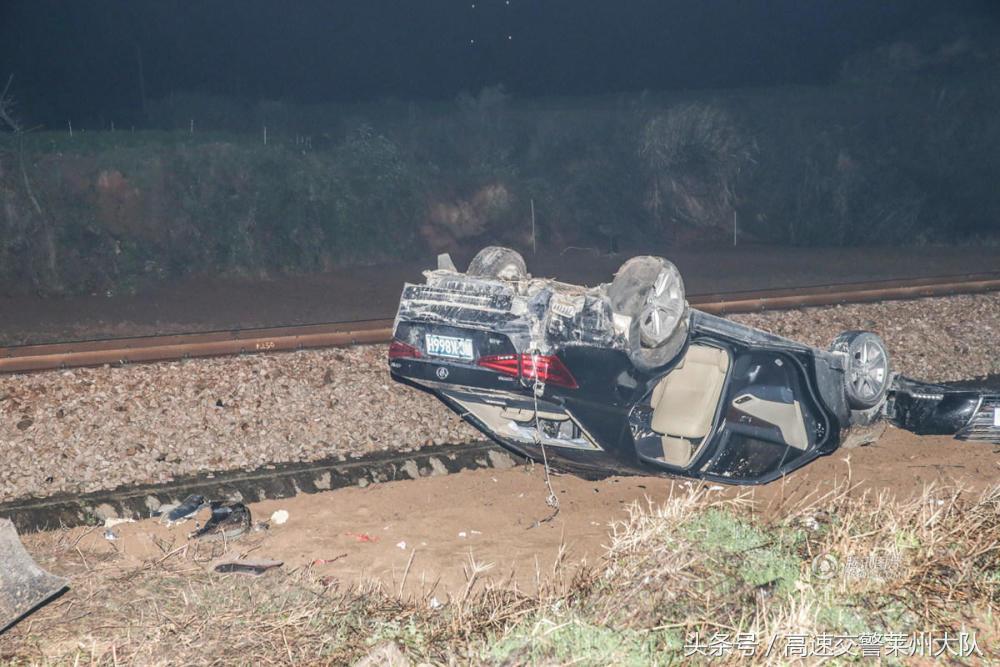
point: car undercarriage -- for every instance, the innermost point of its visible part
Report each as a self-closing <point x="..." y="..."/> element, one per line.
<point x="625" y="377"/>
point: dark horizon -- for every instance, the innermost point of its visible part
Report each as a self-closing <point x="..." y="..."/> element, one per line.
<point x="82" y="61"/>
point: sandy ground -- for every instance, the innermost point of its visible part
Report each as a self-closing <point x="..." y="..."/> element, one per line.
<point x="491" y="518"/>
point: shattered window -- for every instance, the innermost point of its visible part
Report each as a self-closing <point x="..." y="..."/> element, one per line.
<point x="745" y="457"/>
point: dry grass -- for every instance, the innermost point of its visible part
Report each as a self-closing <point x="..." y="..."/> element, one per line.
<point x="936" y="558"/>
<point x="699" y="565"/>
<point x="696" y="564"/>
<point x="174" y="610"/>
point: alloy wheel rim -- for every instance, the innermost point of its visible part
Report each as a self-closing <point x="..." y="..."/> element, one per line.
<point x="869" y="370"/>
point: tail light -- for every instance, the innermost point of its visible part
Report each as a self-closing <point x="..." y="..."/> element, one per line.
<point x="547" y="368"/>
<point x="544" y="367"/>
<point x="400" y="350"/>
<point x="506" y="364"/>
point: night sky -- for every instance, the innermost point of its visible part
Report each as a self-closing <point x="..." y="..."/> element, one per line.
<point x="82" y="59"/>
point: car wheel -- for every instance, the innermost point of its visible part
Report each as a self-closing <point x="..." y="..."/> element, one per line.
<point x="867" y="372"/>
<point x="498" y="262"/>
<point x="664" y="309"/>
<point x="650" y="291"/>
<point x="631" y="284"/>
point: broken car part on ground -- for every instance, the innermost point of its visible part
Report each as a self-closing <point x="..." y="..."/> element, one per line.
<point x="626" y="378"/>
<point x="24" y="586"/>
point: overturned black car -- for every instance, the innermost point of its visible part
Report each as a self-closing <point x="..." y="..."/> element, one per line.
<point x="625" y="377"/>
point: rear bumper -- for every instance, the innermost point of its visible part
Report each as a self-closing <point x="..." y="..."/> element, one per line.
<point x="984" y="426"/>
<point x="930" y="409"/>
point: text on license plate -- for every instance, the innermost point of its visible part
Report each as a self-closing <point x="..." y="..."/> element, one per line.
<point x="450" y="346"/>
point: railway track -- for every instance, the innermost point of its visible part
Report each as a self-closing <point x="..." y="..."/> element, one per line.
<point x="120" y="351"/>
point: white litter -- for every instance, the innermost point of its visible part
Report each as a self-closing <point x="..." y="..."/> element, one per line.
<point x="462" y="535"/>
<point x="111" y="522"/>
<point x="401" y="545"/>
<point x="279" y="517"/>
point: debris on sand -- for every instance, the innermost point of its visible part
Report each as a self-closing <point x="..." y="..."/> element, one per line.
<point x="228" y="521"/>
<point x="253" y="567"/>
<point x="111" y="522"/>
<point x="171" y="514"/>
<point x="362" y="537"/>
<point x="327" y="561"/>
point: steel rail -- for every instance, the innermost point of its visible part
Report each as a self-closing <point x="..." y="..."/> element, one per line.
<point x="121" y="351"/>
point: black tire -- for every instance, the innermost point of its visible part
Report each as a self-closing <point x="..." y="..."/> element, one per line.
<point x="498" y="262"/>
<point x="867" y="368"/>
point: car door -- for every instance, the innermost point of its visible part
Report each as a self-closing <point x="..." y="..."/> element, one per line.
<point x="771" y="422"/>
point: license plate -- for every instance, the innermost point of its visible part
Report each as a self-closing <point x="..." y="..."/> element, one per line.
<point x="450" y="346"/>
<point x="996" y="416"/>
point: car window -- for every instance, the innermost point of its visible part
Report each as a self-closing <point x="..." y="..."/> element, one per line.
<point x="745" y="457"/>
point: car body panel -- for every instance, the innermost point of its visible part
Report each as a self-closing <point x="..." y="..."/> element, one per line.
<point x="782" y="403"/>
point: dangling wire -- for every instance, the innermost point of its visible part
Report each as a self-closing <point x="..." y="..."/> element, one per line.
<point x="552" y="500"/>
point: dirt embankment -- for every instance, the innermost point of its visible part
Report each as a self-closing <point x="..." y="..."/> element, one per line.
<point x="465" y="565"/>
<point x="495" y="516"/>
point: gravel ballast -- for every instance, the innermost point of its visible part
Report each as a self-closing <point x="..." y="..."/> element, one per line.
<point x="88" y="429"/>
<point x="91" y="429"/>
<point x="939" y="340"/>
